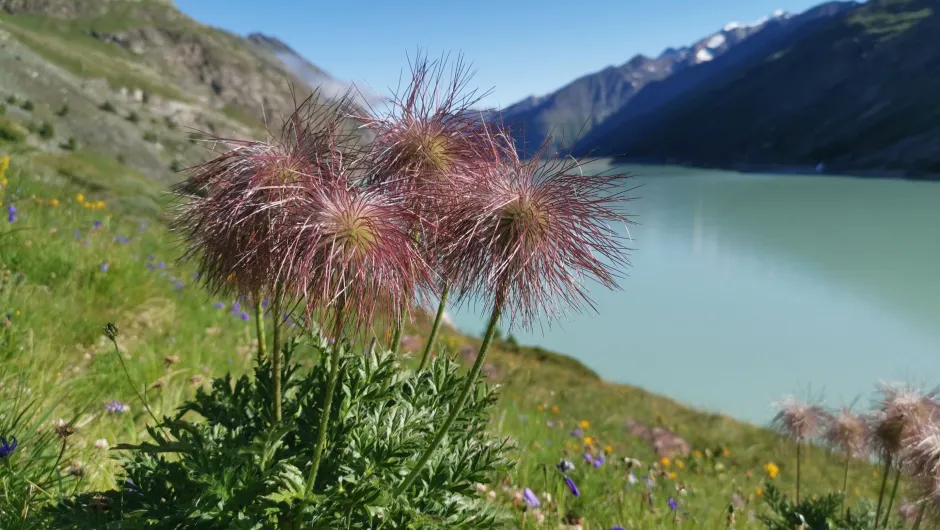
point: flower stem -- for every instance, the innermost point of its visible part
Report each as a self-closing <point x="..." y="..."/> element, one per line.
<point x="396" y="337"/>
<point x="894" y="492"/>
<point x="798" y="444"/>
<point x="259" y="327"/>
<point x="884" y="483"/>
<point x="276" y="354"/>
<point x="845" y="480"/>
<point x="434" y="328"/>
<point x="456" y="407"/>
<point x="327" y="402"/>
<point x="920" y="518"/>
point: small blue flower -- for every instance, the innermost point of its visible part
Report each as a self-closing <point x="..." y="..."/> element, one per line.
<point x="96" y="224"/>
<point x="116" y="407"/>
<point x="577" y="432"/>
<point x="618" y="528"/>
<point x="672" y="504"/>
<point x="264" y="304"/>
<point x="530" y="498"/>
<point x="104" y="267"/>
<point x="244" y="316"/>
<point x="236" y="307"/>
<point x="78" y="234"/>
<point x="161" y="265"/>
<point x="218" y="305"/>
<point x="121" y="240"/>
<point x="588" y="458"/>
<point x="564" y="466"/>
<point x="572" y="486"/>
<point x="179" y="285"/>
<point x="151" y="266"/>
<point x="7" y="448"/>
<point x="11" y="213"/>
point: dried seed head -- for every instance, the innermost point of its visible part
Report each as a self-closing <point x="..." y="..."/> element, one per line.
<point x="846" y="432"/>
<point x="899" y="409"/>
<point x="63" y="429"/>
<point x="920" y="458"/>
<point x="798" y="420"/>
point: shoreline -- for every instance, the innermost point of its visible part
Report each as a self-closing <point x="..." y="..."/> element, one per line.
<point x="780" y="169"/>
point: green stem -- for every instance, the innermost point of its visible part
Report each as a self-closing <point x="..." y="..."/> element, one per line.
<point x="259" y="328"/>
<point x="884" y="483"/>
<point x="894" y="492"/>
<point x="327" y="403"/>
<point x="798" y="444"/>
<point x="396" y="337"/>
<point x="920" y="517"/>
<point x="456" y="407"/>
<point x="434" y="328"/>
<point x="845" y="481"/>
<point x="276" y="354"/>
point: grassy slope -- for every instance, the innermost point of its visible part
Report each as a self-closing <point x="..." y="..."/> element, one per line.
<point x="59" y="298"/>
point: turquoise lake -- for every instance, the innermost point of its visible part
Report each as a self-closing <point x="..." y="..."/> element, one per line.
<point x="745" y="287"/>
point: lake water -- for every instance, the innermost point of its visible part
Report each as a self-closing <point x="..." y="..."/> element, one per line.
<point x="745" y="287"/>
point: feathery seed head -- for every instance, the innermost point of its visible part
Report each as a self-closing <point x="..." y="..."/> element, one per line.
<point x="846" y="432"/>
<point x="531" y="232"/>
<point x="899" y="409"/>
<point x="920" y="458"/>
<point x="798" y="420"/>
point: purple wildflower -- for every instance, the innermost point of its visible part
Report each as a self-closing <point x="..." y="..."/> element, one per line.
<point x="618" y="528"/>
<point x="11" y="213"/>
<point x="151" y="266"/>
<point x="264" y="304"/>
<point x="572" y="486"/>
<point x="218" y="305"/>
<point x="530" y="498"/>
<point x="161" y="265"/>
<point x="7" y="447"/>
<point x="172" y="278"/>
<point x="577" y="432"/>
<point x="598" y="462"/>
<point x="121" y="240"/>
<point x="672" y="504"/>
<point x="104" y="266"/>
<point x="151" y="257"/>
<point x="588" y="458"/>
<point x="96" y="225"/>
<point x="564" y="466"/>
<point x="116" y="407"/>
<point x="244" y="316"/>
<point x="179" y="285"/>
<point x="236" y="307"/>
<point x="78" y="234"/>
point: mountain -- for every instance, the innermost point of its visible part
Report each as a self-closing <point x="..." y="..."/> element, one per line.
<point x="858" y="92"/>
<point x="576" y="108"/>
<point x="311" y="74"/>
<point x="128" y="81"/>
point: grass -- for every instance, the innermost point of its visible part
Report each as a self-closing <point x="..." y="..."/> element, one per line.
<point x="58" y="297"/>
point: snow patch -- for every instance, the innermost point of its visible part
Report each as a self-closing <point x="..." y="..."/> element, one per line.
<point x="716" y="41"/>
<point x="703" y="56"/>
<point x="731" y="26"/>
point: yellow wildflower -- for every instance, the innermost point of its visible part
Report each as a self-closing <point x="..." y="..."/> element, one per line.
<point x="4" y="164"/>
<point x="680" y="464"/>
<point x="609" y="449"/>
<point x="697" y="453"/>
<point x="54" y="202"/>
<point x="665" y="462"/>
<point x="772" y="470"/>
<point x="574" y="447"/>
<point x="748" y="474"/>
<point x="80" y="198"/>
<point x="540" y="408"/>
<point x="100" y="205"/>
<point x="759" y="492"/>
<point x="725" y="452"/>
<point x="555" y="410"/>
<point x="588" y="440"/>
<point x="585" y="424"/>
<point x="673" y="475"/>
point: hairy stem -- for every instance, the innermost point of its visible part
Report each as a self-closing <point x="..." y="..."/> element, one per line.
<point x="920" y="517"/>
<point x="894" y="492"/>
<point x="845" y="480"/>
<point x="434" y="328"/>
<point x="455" y="407"/>
<point x="259" y="329"/>
<point x="276" y="355"/>
<point x="798" y="445"/>
<point x="884" y="483"/>
<point x="327" y="402"/>
<point x="396" y="337"/>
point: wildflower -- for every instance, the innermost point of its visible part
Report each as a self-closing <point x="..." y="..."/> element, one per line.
<point x="179" y="285"/>
<point x="800" y="421"/>
<point x="697" y="454"/>
<point x="608" y="449"/>
<point x="631" y="478"/>
<point x="577" y="432"/>
<point x="680" y="464"/>
<point x="7" y="447"/>
<point x="11" y="213"/>
<point x="96" y="225"/>
<point x="725" y="452"/>
<point x="565" y="466"/>
<point x="530" y="499"/>
<point x="759" y="491"/>
<point x="540" y="408"/>
<point x="598" y="462"/>
<point x="588" y="440"/>
<point x="899" y="409"/>
<point x="920" y="457"/>
<point x="772" y="470"/>
<point x="588" y="458"/>
<point x="532" y="232"/>
<point x="673" y="504"/>
<point x="170" y="360"/>
<point x="555" y="410"/>
<point x="196" y="379"/>
<point x="665" y="461"/>
<point x="104" y="266"/>
<point x="79" y="198"/>
<point x="54" y="202"/>
<point x="572" y="487"/>
<point x="76" y="469"/>
<point x="585" y="424"/>
<point x="244" y="316"/>
<point x="101" y="444"/>
<point x="236" y="307"/>
<point x="846" y="432"/>
<point x="63" y="429"/>
<point x="116" y="407"/>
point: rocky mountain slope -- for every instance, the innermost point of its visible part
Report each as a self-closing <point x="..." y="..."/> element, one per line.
<point x="856" y="93"/>
<point x="129" y="81"/>
<point x="578" y="107"/>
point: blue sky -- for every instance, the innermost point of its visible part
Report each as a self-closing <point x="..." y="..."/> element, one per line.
<point x="518" y="47"/>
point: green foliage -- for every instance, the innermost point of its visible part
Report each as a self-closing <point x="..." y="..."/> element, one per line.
<point x="46" y="130"/>
<point x="11" y="100"/>
<point x="823" y="513"/>
<point x="70" y="145"/>
<point x="63" y="111"/>
<point x="28" y="106"/>
<point x="11" y="132"/>
<point x="237" y="466"/>
<point x="176" y="166"/>
<point x="151" y="137"/>
<point x="3" y="110"/>
<point x="107" y="106"/>
<point x="133" y="117"/>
